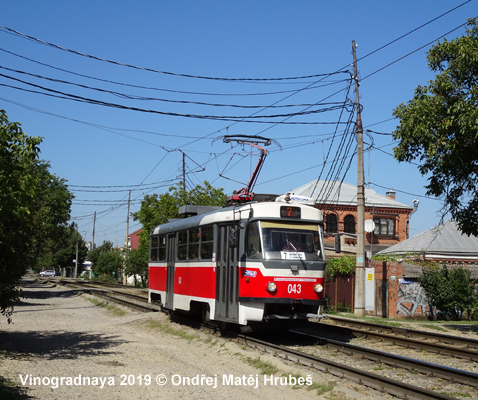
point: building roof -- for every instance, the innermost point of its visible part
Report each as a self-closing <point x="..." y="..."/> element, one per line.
<point x="341" y="193"/>
<point x="134" y="239"/>
<point x="444" y="241"/>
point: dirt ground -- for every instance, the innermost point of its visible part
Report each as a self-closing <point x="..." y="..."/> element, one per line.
<point x="63" y="346"/>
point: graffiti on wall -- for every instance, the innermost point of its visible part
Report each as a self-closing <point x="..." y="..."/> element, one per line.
<point x="412" y="300"/>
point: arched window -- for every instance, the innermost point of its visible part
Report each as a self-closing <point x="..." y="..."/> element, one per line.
<point x="349" y="224"/>
<point x="331" y="224"/>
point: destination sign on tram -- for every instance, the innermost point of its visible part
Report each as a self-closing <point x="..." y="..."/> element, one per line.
<point x="290" y="212"/>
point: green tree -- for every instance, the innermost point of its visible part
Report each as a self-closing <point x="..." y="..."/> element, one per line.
<point x="340" y="266"/>
<point x="439" y="128"/>
<point x="51" y="211"/>
<point x="95" y="253"/>
<point x="61" y="252"/>
<point x="34" y="205"/>
<point x="157" y="209"/>
<point x="109" y="263"/>
<point x="450" y="292"/>
<point x="137" y="265"/>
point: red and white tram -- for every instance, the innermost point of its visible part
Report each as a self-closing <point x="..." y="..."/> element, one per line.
<point x="243" y="264"/>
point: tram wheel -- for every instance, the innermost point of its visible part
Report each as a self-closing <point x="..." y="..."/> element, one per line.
<point x="205" y="315"/>
<point x="223" y="325"/>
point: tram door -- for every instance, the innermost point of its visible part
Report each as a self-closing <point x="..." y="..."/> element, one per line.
<point x="227" y="274"/>
<point x="170" y="260"/>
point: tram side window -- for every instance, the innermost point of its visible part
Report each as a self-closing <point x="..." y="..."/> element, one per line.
<point x="193" y="248"/>
<point x="182" y="245"/>
<point x="162" y="248"/>
<point x="207" y="240"/>
<point x="253" y="241"/>
<point x="153" y="254"/>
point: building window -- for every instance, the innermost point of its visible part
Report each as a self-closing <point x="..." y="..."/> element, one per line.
<point x="349" y="224"/>
<point x="384" y="226"/>
<point x="331" y="224"/>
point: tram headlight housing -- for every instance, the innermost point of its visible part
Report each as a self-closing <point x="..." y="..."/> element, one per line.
<point x="318" y="288"/>
<point x="271" y="287"/>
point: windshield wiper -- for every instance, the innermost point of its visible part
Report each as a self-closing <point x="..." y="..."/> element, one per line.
<point x="289" y="244"/>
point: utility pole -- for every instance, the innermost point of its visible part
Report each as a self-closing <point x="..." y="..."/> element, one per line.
<point x="94" y="222"/>
<point x="76" y="260"/>
<point x="126" y="239"/>
<point x="184" y="172"/>
<point x="359" y="302"/>
<point x="127" y="221"/>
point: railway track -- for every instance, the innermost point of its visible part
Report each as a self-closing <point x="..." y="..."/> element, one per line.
<point x="438" y="343"/>
<point x="393" y="386"/>
<point x="383" y="384"/>
<point x="111" y="293"/>
<point x="396" y="361"/>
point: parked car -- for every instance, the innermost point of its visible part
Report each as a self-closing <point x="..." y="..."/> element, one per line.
<point x="49" y="272"/>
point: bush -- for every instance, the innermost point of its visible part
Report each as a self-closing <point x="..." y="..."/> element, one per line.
<point x="451" y="292"/>
<point x="340" y="266"/>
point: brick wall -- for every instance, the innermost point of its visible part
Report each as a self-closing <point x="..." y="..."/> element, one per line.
<point x="387" y="276"/>
<point x="392" y="298"/>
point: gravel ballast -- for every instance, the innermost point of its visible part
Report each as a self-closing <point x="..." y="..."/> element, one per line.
<point x="62" y="346"/>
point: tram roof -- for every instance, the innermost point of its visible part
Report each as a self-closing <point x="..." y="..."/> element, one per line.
<point x="235" y="213"/>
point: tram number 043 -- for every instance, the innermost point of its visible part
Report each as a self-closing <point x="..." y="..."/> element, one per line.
<point x="294" y="288"/>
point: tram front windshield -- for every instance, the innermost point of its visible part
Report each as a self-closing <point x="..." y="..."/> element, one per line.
<point x="280" y="241"/>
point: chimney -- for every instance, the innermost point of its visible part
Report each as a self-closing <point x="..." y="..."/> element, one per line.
<point x="390" y="194"/>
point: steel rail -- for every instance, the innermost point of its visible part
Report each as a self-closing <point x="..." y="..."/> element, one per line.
<point x="466" y="352"/>
<point x="449" y="339"/>
<point x="436" y="370"/>
<point x="377" y="382"/>
<point x="115" y="299"/>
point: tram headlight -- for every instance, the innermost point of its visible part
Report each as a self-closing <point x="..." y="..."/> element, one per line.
<point x="271" y="287"/>
<point x="318" y="288"/>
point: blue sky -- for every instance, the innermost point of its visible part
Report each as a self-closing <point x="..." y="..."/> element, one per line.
<point x="105" y="151"/>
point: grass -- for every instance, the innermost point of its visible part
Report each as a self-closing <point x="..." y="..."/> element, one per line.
<point x="165" y="328"/>
<point x="266" y="368"/>
<point x="114" y="310"/>
<point x="456" y="394"/>
<point x="10" y="391"/>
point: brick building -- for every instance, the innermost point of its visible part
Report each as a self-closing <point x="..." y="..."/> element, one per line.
<point x="338" y="202"/>
<point x="133" y="239"/>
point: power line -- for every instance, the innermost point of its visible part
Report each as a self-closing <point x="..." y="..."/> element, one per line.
<point x="14" y="32"/>
<point x="248" y="119"/>
<point x="143" y="98"/>
<point x="414" y="30"/>
<point x="170" y="90"/>
<point x="402" y="191"/>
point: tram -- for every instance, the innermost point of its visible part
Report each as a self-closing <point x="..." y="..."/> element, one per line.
<point x="247" y="264"/>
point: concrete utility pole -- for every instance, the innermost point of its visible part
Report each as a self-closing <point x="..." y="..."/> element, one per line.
<point x="76" y="260"/>
<point x="359" y="303"/>
<point x="94" y="223"/>
<point x="127" y="221"/>
<point x="126" y="244"/>
<point x="184" y="172"/>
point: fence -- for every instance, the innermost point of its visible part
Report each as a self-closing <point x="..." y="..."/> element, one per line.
<point x="392" y="297"/>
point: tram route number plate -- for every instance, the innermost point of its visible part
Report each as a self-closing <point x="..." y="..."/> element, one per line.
<point x="292" y="255"/>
